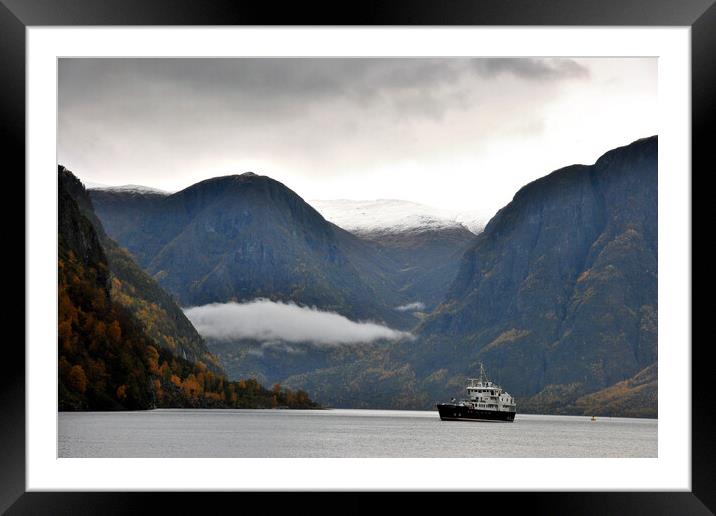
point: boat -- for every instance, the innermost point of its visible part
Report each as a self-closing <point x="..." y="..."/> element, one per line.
<point x="486" y="401"/>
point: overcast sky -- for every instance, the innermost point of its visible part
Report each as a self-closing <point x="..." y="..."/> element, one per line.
<point x="452" y="133"/>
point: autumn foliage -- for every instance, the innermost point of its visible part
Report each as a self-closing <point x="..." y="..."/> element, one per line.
<point x="106" y="363"/>
<point x="106" y="358"/>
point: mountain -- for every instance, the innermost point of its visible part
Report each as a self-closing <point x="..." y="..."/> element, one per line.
<point x="135" y="290"/>
<point x="557" y="296"/>
<point x="241" y="237"/>
<point x="91" y="363"/>
<point x="107" y="359"/>
<point x="394" y="216"/>
<point x="136" y="189"/>
<point x="561" y="287"/>
<point x="429" y="260"/>
<point x="427" y="243"/>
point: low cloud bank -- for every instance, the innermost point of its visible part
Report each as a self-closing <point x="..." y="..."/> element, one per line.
<point x="411" y="307"/>
<point x="266" y="320"/>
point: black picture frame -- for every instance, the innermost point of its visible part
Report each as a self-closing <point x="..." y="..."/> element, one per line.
<point x="16" y="15"/>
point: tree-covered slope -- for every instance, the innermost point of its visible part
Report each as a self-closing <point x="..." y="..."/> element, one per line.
<point x="107" y="360"/>
<point x="131" y="287"/>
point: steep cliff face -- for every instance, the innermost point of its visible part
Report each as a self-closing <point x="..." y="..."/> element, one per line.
<point x="561" y="287"/>
<point x="92" y="364"/>
<point x="76" y="232"/>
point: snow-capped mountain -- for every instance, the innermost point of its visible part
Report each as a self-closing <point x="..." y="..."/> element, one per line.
<point x="395" y="216"/>
<point x="140" y="189"/>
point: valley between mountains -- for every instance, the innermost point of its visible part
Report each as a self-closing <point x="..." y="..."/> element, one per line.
<point x="379" y="304"/>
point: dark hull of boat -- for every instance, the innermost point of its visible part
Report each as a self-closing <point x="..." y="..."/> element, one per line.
<point x="451" y="412"/>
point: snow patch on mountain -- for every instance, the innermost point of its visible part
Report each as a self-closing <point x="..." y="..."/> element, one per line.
<point x="94" y="186"/>
<point x="140" y="189"/>
<point x="411" y="307"/>
<point x="395" y="216"/>
<point x="474" y="221"/>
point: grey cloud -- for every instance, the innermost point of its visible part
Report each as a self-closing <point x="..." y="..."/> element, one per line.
<point x="161" y="115"/>
<point x="276" y="323"/>
<point x="168" y="123"/>
<point x="532" y="69"/>
<point x="167" y="97"/>
<point x="266" y="79"/>
<point x="271" y="84"/>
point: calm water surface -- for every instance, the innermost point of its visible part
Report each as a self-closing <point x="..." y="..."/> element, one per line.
<point x="345" y="433"/>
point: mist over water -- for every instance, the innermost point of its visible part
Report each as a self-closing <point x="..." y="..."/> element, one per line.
<point x="270" y="321"/>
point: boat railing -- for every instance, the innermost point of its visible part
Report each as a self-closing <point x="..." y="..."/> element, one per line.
<point x="476" y="382"/>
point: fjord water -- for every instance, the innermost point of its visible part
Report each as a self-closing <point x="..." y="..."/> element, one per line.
<point x="345" y="433"/>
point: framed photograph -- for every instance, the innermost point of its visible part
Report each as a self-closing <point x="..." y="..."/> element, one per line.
<point x="410" y="249"/>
